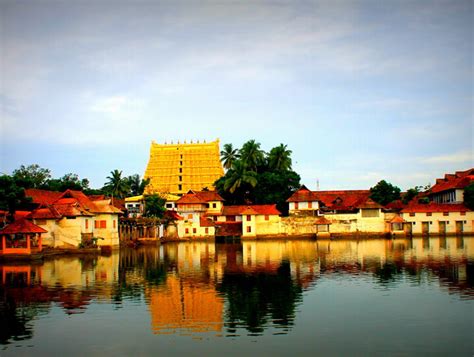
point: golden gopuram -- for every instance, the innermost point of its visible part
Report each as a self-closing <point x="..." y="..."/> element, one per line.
<point x="178" y="168"/>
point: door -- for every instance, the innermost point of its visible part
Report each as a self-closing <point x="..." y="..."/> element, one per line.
<point x="425" y="227"/>
<point x="442" y="227"/>
<point x="408" y="227"/>
<point x="459" y="226"/>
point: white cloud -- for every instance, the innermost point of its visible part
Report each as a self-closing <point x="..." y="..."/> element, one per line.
<point x="460" y="157"/>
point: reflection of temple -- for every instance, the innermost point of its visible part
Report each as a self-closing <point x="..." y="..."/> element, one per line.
<point x="181" y="304"/>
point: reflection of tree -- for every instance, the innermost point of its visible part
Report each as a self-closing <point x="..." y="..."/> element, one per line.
<point x="12" y="324"/>
<point x="387" y="273"/>
<point x="137" y="267"/>
<point x="255" y="297"/>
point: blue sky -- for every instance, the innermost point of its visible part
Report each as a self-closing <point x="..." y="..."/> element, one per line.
<point x="359" y="90"/>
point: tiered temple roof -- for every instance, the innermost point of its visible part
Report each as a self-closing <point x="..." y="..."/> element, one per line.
<point x="178" y="168"/>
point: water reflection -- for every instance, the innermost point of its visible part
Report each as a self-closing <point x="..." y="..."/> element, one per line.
<point x="225" y="289"/>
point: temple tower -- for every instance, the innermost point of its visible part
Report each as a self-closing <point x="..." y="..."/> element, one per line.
<point x="178" y="168"/>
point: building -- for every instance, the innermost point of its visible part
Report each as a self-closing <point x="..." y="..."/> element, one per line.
<point x="450" y="189"/>
<point x="72" y="218"/>
<point x="197" y="209"/>
<point x="178" y="168"/>
<point x="21" y="237"/>
<point x="135" y="205"/>
<point x="437" y="218"/>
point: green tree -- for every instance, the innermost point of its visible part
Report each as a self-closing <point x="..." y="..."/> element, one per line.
<point x="411" y="194"/>
<point x="279" y="158"/>
<point x="469" y="196"/>
<point x="116" y="186"/>
<point x="252" y="156"/>
<point x="229" y="155"/>
<point x="32" y="176"/>
<point x="12" y="196"/>
<point x="154" y="206"/>
<point x="239" y="175"/>
<point x="384" y="192"/>
<point x="136" y="184"/>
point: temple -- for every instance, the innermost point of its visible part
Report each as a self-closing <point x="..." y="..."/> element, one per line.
<point x="178" y="168"/>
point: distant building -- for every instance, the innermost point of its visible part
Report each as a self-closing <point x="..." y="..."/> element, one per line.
<point x="450" y="189"/>
<point x="178" y="168"/>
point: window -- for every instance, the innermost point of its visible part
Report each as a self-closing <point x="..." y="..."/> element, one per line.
<point x="180" y="178"/>
<point x="87" y="224"/>
<point x="249" y="217"/>
<point x="180" y="170"/>
<point x="310" y="204"/>
<point x="194" y="230"/>
<point x="370" y="212"/>
<point x="463" y="213"/>
<point x="445" y="213"/>
<point x="180" y="163"/>
<point x="214" y="205"/>
<point x="114" y="223"/>
<point x="186" y="230"/>
<point x="249" y="229"/>
<point x="169" y="205"/>
<point x="428" y="214"/>
<point x="296" y="205"/>
<point x="180" y="187"/>
<point x="206" y="230"/>
<point x="412" y="214"/>
<point x="267" y="217"/>
<point x="100" y="224"/>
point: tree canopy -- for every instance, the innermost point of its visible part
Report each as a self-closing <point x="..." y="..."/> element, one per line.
<point x="255" y="177"/>
<point x="154" y="206"/>
<point x="384" y="192"/>
<point x="469" y="196"/>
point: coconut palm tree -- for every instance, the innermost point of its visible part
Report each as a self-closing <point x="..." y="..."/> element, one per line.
<point x="251" y="155"/>
<point x="239" y="175"/>
<point x="229" y="155"/>
<point x="279" y="158"/>
<point x="116" y="185"/>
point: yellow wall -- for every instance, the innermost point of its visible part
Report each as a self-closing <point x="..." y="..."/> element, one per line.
<point x="438" y="216"/>
<point x="199" y="163"/>
<point x="110" y="234"/>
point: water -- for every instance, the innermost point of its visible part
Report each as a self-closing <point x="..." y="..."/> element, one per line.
<point x="296" y="297"/>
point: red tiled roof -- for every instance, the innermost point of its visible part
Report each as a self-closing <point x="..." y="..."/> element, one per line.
<point x="459" y="180"/>
<point x="199" y="197"/>
<point x="97" y="197"/>
<point x="250" y="209"/>
<point x="303" y="195"/>
<point x="435" y="207"/>
<point x="397" y="219"/>
<point x="395" y="205"/>
<point x="104" y="206"/>
<point x="71" y="210"/>
<point x="42" y="196"/>
<point x="22" y="226"/>
<point x="48" y="212"/>
<point x="369" y="203"/>
<point x="205" y="222"/>
<point x="172" y="214"/>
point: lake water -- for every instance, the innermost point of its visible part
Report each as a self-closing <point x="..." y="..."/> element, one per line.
<point x="296" y="297"/>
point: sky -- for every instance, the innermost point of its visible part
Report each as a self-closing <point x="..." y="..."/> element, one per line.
<point x="359" y="91"/>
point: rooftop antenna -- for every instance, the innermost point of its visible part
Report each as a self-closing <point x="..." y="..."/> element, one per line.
<point x="317" y="185"/>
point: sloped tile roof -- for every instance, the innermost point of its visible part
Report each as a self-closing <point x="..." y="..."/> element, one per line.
<point x="199" y="197"/>
<point x="250" y="209"/>
<point x="434" y="207"/>
<point x="48" y="212"/>
<point x="458" y="180"/>
<point x="42" y="196"/>
<point x="22" y="226"/>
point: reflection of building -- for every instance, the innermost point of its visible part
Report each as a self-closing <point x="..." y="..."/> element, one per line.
<point x="182" y="304"/>
<point x="178" y="168"/>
